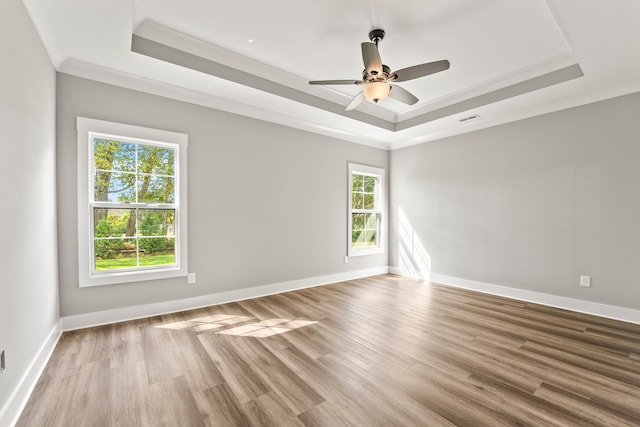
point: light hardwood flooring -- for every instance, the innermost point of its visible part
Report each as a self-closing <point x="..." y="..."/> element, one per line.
<point x="381" y="351"/>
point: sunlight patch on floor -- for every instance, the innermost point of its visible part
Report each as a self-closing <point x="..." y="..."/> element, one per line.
<point x="242" y="326"/>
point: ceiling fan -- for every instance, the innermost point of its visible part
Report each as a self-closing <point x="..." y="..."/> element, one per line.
<point x="377" y="77"/>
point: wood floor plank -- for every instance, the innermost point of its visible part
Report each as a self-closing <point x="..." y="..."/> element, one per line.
<point x="541" y="411"/>
<point x="236" y="370"/>
<point x="87" y="393"/>
<point x="378" y="351"/>
<point x="128" y="385"/>
<point x="332" y="413"/>
<point x="170" y="403"/>
<point x="593" y="353"/>
<point x="125" y="345"/>
<point x="627" y="374"/>
<point x="222" y="407"/>
<point x="292" y="390"/>
<point x="601" y="415"/>
<point x="268" y="410"/>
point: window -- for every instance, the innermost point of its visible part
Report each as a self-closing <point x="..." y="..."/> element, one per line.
<point x="366" y="191"/>
<point x="131" y="203"/>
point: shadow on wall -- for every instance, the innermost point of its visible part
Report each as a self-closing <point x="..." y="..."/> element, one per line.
<point x="414" y="260"/>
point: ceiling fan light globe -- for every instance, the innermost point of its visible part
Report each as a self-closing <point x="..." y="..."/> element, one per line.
<point x="376" y="91"/>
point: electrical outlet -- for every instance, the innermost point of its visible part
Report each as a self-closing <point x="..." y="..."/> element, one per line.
<point x="2" y="362"/>
<point x="191" y="278"/>
<point x="346" y="259"/>
<point x="585" y="281"/>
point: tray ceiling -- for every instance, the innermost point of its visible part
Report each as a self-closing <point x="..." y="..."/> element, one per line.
<point x="509" y="60"/>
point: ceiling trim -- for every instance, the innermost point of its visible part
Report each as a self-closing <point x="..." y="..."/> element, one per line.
<point x="142" y="84"/>
<point x="597" y="42"/>
<point x="181" y="58"/>
<point x="156" y="41"/>
<point x="546" y="80"/>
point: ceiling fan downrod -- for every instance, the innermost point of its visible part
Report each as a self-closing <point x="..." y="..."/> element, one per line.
<point x="376" y="35"/>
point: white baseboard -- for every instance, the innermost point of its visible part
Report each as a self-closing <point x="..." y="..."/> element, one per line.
<point x="86" y="320"/>
<point x="399" y="272"/>
<point x="582" y="306"/>
<point x="11" y="411"/>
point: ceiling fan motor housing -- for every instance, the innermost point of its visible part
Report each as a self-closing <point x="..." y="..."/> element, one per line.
<point x="376" y="35"/>
<point x="373" y="76"/>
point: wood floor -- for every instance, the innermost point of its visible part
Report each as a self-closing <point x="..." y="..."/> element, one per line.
<point x="382" y="351"/>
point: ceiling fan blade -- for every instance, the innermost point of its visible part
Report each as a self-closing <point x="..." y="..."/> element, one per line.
<point x="335" y="82"/>
<point x="357" y="100"/>
<point x="421" y="70"/>
<point x="371" y="58"/>
<point x="400" y="94"/>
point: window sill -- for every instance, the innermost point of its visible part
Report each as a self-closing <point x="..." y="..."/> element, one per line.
<point x="364" y="252"/>
<point x="116" y="278"/>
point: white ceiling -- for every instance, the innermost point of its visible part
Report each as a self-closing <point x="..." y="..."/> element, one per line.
<point x="510" y="59"/>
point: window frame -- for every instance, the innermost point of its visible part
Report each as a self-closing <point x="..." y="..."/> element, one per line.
<point x="87" y="130"/>
<point x="358" y="169"/>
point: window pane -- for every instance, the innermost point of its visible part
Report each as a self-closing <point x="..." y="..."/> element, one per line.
<point x="371" y="221"/>
<point x="370" y="238"/>
<point x="101" y="182"/>
<point x="114" y="222"/>
<point x="156" y="222"/>
<point x="369" y="201"/>
<point x="114" y="155"/>
<point x="357" y="221"/>
<point x="153" y="189"/>
<point x="356" y="201"/>
<point x="114" y="187"/>
<point x="156" y="160"/>
<point x="357" y="183"/>
<point x="369" y="184"/>
<point x="357" y="238"/>
<point x="157" y="251"/>
<point x="112" y="254"/>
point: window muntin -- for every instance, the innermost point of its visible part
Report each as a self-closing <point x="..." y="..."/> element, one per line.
<point x="366" y="186"/>
<point x="131" y="225"/>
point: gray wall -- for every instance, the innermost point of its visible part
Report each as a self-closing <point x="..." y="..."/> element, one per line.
<point x="267" y="203"/>
<point x="532" y="204"/>
<point x="28" y="263"/>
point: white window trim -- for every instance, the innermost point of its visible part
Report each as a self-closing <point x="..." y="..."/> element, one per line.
<point x="380" y="207"/>
<point x="85" y="127"/>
